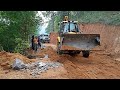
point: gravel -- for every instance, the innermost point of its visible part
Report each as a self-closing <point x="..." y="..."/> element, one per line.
<point x="46" y="56"/>
<point x="39" y="67"/>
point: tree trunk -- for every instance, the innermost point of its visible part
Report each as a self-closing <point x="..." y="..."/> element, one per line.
<point x="53" y="19"/>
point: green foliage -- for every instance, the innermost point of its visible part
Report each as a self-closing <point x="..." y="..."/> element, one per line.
<point x="105" y="17"/>
<point x="49" y="27"/>
<point x="21" y="45"/>
<point x="1" y="47"/>
<point x="17" y="24"/>
<point x="56" y="26"/>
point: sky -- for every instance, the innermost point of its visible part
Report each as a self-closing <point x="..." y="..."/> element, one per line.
<point x="44" y="26"/>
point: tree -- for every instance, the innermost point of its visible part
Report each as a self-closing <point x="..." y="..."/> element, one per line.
<point x="17" y="24"/>
<point x="51" y="23"/>
<point x="105" y="17"/>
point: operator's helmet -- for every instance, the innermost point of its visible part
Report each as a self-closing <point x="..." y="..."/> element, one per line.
<point x="66" y="18"/>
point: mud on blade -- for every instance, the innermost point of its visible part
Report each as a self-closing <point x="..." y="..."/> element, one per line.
<point x="81" y="41"/>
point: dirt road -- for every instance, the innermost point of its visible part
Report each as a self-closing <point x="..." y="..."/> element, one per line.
<point x="97" y="66"/>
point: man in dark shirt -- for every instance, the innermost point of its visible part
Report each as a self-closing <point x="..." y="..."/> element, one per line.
<point x="39" y="42"/>
<point x="32" y="42"/>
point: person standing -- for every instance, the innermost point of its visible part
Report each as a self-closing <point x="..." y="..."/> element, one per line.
<point x="39" y="43"/>
<point x="32" y="41"/>
<point x="36" y="43"/>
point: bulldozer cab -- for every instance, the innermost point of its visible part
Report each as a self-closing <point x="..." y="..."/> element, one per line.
<point x="69" y="26"/>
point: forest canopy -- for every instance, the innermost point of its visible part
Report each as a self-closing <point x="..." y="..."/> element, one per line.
<point x="105" y="17"/>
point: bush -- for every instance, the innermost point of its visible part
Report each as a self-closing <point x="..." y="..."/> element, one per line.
<point x="1" y="47"/>
<point x="21" y="46"/>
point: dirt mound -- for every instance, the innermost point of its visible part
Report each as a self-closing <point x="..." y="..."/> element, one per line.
<point x="109" y="35"/>
<point x="53" y="38"/>
<point x="6" y="59"/>
<point x="52" y="54"/>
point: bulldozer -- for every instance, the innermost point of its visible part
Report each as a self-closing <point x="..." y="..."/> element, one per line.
<point x="71" y="41"/>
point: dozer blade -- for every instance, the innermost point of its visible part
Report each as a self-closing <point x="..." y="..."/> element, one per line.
<point x="80" y="41"/>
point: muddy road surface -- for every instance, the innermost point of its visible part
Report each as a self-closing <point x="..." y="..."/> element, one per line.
<point x="98" y="66"/>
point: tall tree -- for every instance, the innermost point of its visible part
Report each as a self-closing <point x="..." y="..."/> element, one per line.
<point x="51" y="25"/>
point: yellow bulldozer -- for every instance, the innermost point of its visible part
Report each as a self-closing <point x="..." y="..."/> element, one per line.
<point x="71" y="41"/>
